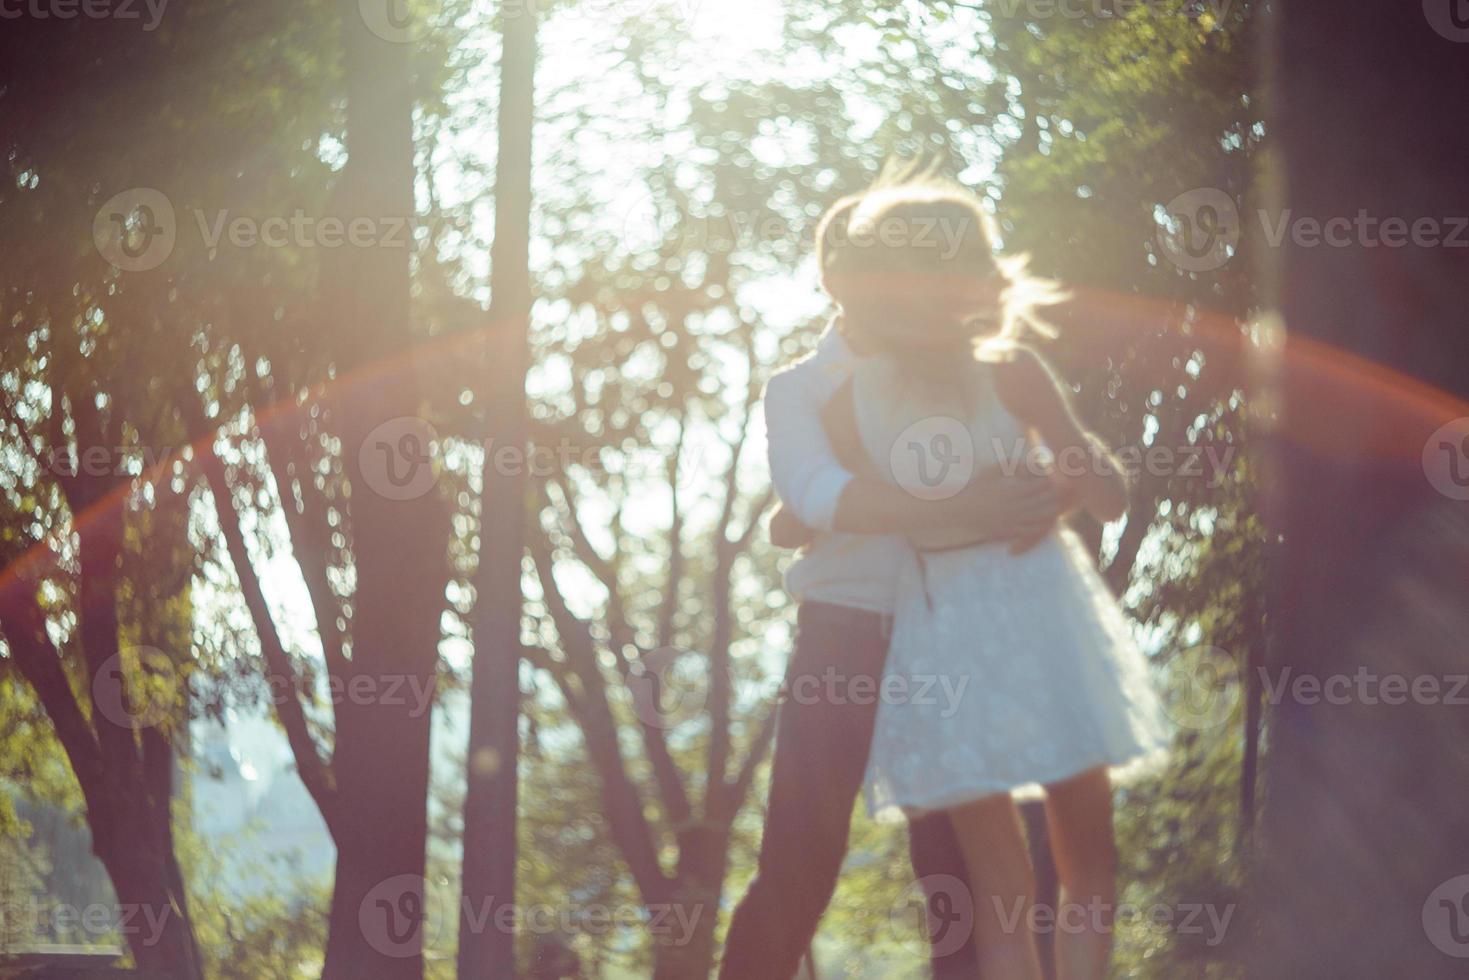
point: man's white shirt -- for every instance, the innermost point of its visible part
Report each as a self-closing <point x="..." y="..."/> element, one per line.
<point x="855" y="570"/>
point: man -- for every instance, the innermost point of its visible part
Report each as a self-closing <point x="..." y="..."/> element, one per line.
<point x="845" y="580"/>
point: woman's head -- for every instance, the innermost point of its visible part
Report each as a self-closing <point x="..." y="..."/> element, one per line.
<point x="912" y="264"/>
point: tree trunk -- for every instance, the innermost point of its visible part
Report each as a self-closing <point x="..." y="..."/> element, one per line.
<point x="154" y="918"/>
<point x="1366" y="827"/>
<point x="378" y="923"/>
<point x="683" y="932"/>
<point x="131" y="823"/>
<point x="124" y="763"/>
<point x="488" y="878"/>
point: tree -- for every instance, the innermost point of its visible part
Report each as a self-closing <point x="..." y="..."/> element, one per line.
<point x="654" y="599"/>
<point x="218" y="355"/>
<point x="490" y="817"/>
<point x="1365" y="824"/>
<point x="95" y="575"/>
<point x="96" y="565"/>
<point x="380" y="826"/>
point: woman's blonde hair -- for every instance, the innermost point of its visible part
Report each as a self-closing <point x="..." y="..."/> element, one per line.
<point x="902" y="225"/>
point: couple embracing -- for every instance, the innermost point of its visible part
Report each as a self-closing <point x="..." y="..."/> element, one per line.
<point x="922" y="561"/>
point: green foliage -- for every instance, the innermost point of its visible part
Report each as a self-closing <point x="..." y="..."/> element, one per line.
<point x="277" y="930"/>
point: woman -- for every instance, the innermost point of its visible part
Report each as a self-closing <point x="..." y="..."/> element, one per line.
<point x="1060" y="694"/>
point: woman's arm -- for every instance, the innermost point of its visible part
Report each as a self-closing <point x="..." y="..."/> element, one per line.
<point x="822" y="494"/>
<point x="1034" y="395"/>
<point x="1020" y="508"/>
<point x="993" y="505"/>
<point x="786" y="529"/>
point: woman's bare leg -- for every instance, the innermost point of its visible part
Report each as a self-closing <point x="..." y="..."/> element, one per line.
<point x="995" y="852"/>
<point x="1079" y="815"/>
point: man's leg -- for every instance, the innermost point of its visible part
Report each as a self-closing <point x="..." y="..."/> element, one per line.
<point x="938" y="861"/>
<point x="821" y="746"/>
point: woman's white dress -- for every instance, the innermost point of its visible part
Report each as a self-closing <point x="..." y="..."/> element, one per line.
<point x="1005" y="671"/>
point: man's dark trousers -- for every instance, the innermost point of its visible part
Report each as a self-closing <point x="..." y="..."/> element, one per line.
<point x="822" y="741"/>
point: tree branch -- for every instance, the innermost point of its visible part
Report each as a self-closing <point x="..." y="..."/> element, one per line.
<point x="24" y="626"/>
<point x="721" y="685"/>
<point x="281" y="674"/>
<point x="309" y="536"/>
<point x="746" y="775"/>
<point x="668" y="613"/>
<point x="669" y="778"/>
<point x="626" y="820"/>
